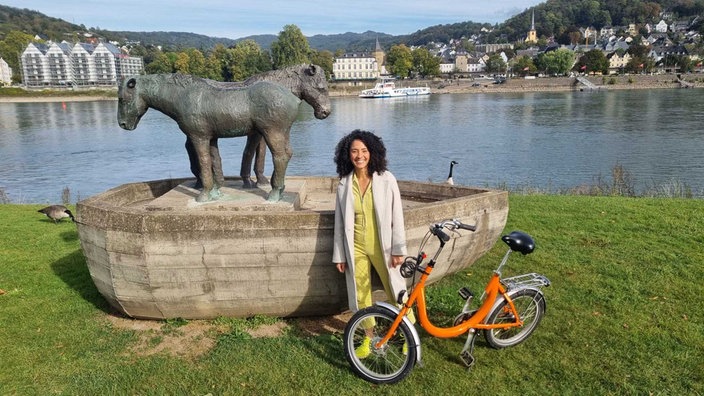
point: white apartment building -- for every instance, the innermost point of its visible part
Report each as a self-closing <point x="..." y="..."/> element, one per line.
<point x="79" y="65"/>
<point x="5" y="73"/>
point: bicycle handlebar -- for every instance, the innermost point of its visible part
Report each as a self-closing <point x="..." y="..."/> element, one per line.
<point x="450" y="224"/>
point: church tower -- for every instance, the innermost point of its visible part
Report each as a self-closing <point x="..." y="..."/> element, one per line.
<point x="532" y="36"/>
<point x="379" y="55"/>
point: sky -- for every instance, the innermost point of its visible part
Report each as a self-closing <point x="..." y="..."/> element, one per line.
<point x="236" y="18"/>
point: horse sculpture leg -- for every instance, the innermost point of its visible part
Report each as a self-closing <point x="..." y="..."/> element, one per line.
<point x="195" y="166"/>
<point x="259" y="162"/>
<point x="253" y="141"/>
<point x="210" y="190"/>
<point x="281" y="153"/>
<point x="218" y="176"/>
<point x="193" y="160"/>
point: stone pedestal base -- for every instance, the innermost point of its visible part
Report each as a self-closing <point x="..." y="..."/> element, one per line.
<point x="154" y="252"/>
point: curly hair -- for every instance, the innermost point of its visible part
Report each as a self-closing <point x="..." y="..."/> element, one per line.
<point x="377" y="152"/>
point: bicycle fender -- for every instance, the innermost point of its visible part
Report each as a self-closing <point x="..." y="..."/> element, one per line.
<point x="511" y="293"/>
<point x="416" y="338"/>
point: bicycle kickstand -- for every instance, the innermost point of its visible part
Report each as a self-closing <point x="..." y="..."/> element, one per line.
<point x="467" y="352"/>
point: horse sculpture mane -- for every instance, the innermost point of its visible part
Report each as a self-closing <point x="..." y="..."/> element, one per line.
<point x="184" y="80"/>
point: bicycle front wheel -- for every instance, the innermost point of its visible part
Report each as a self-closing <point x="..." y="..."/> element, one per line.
<point x="386" y="364"/>
<point x="530" y="305"/>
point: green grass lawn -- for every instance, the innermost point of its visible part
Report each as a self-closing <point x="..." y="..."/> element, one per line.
<point x="623" y="317"/>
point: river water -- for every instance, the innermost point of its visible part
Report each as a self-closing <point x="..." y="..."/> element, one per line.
<point x="548" y="141"/>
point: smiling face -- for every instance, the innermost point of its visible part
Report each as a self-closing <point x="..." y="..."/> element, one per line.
<point x="359" y="154"/>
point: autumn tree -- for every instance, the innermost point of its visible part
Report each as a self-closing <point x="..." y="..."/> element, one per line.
<point x="291" y="48"/>
<point x="182" y="63"/>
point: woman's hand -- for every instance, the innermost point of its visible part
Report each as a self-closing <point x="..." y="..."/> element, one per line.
<point x="341" y="267"/>
<point x="396" y="261"/>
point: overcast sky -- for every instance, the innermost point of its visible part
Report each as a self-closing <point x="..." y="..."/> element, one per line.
<point x="236" y="18"/>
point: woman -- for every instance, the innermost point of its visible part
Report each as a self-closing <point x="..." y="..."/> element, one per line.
<point x="369" y="227"/>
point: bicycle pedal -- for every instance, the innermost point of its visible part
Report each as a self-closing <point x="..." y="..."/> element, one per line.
<point x="467" y="359"/>
<point x="465" y="293"/>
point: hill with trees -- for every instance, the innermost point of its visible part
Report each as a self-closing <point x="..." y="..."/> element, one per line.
<point x="557" y="18"/>
<point x="35" y="23"/>
<point x="554" y="18"/>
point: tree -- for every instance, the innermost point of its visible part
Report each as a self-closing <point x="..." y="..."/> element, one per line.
<point x="11" y="48"/>
<point x="213" y="68"/>
<point x="148" y="53"/>
<point x="594" y="61"/>
<point x="425" y="63"/>
<point x="524" y="65"/>
<point x="196" y="62"/>
<point x="182" y="63"/>
<point x="495" y="64"/>
<point x="218" y="60"/>
<point x="245" y="59"/>
<point x="575" y="37"/>
<point x="161" y="64"/>
<point x="400" y="60"/>
<point x="556" y="62"/>
<point x="638" y="50"/>
<point x="635" y="65"/>
<point x="291" y="48"/>
<point x="323" y="59"/>
<point x="467" y="45"/>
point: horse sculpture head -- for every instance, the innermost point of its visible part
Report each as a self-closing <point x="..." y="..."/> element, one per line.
<point x="130" y="105"/>
<point x="314" y="89"/>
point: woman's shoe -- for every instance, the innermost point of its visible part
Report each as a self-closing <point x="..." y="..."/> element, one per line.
<point x="364" y="349"/>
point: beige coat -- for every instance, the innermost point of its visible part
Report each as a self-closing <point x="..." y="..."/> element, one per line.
<point x="392" y="232"/>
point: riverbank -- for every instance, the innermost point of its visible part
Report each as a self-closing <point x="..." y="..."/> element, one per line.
<point x="54" y="99"/>
<point x="551" y="84"/>
<point x="19" y="95"/>
<point x="337" y="89"/>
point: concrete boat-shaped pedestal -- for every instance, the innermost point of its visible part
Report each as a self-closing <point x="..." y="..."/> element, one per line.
<point x="153" y="252"/>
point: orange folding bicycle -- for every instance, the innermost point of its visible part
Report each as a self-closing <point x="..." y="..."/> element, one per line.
<point x="382" y="345"/>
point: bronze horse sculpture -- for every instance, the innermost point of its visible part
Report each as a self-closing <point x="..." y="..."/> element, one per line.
<point x="205" y="112"/>
<point x="306" y="81"/>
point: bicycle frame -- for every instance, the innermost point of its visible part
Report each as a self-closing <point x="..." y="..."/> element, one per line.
<point x="493" y="289"/>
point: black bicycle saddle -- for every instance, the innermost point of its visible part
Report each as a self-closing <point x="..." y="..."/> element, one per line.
<point x="519" y="241"/>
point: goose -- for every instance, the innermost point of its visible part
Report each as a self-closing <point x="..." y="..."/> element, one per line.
<point x="449" y="177"/>
<point x="57" y="212"/>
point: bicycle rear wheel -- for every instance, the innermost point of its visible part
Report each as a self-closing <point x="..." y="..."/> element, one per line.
<point x="387" y="364"/>
<point x="530" y="305"/>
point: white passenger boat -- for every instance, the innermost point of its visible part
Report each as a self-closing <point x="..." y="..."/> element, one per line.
<point x="386" y="88"/>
